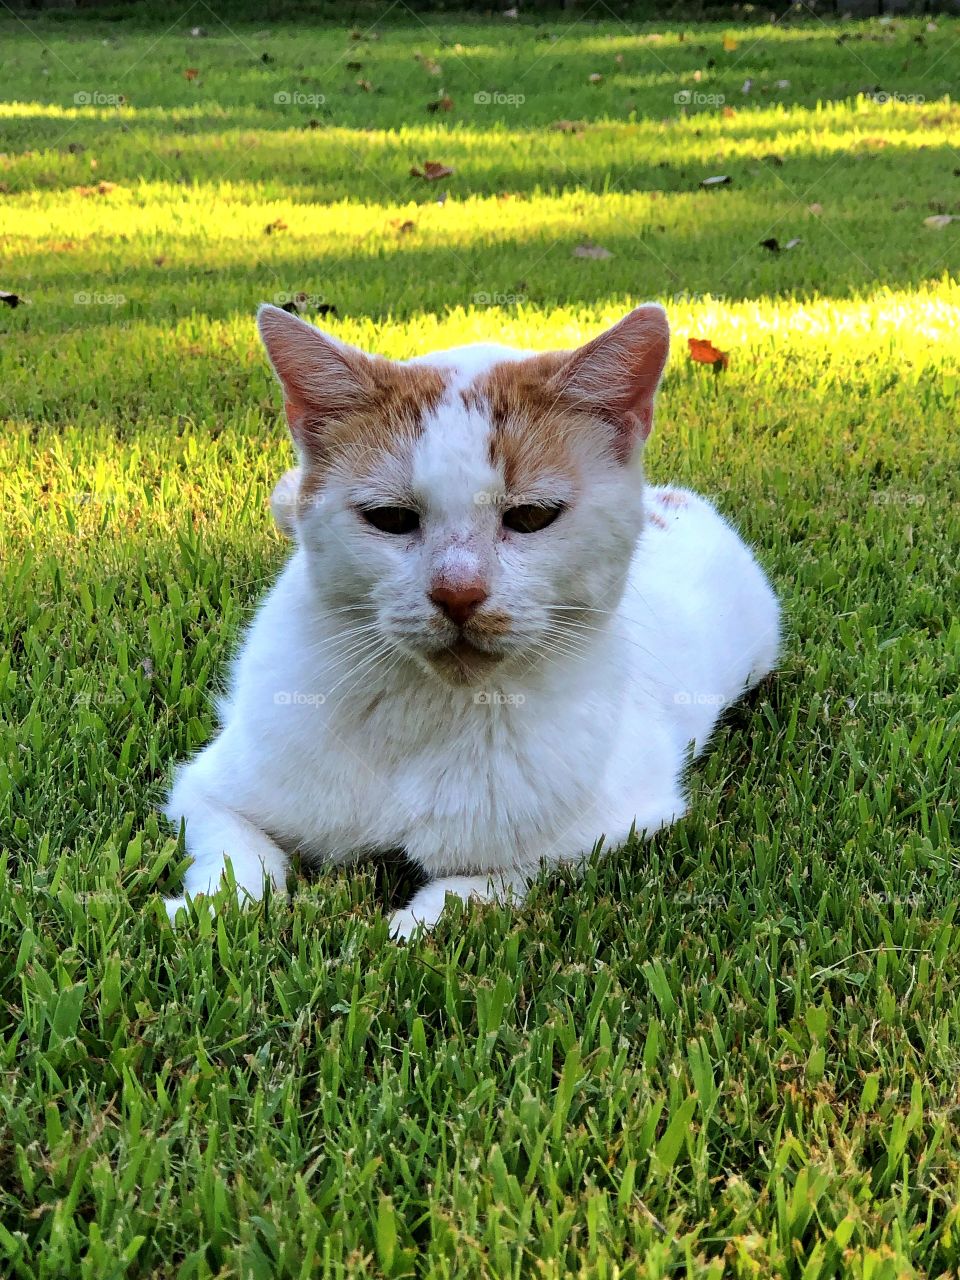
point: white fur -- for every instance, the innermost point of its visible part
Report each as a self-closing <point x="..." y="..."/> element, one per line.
<point x="338" y="742"/>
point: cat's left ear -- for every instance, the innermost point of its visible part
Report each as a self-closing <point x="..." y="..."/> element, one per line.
<point x="616" y="375"/>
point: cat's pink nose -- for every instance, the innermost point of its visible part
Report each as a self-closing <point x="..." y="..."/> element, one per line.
<point x="460" y="603"/>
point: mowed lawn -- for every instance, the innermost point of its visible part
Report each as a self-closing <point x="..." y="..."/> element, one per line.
<point x="735" y="1049"/>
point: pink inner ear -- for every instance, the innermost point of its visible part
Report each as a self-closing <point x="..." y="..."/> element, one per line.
<point x="617" y="374"/>
<point x="321" y="378"/>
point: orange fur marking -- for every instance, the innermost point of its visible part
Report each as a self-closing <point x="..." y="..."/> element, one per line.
<point x="533" y="420"/>
<point x="390" y="408"/>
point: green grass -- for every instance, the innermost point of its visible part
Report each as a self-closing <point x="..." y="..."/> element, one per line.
<point x="734" y="1049"/>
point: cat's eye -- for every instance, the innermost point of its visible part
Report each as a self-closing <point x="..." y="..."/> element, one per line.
<point x="531" y="517"/>
<point x="397" y="520"/>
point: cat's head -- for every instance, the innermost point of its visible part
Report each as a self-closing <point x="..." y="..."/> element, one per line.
<point x="480" y="506"/>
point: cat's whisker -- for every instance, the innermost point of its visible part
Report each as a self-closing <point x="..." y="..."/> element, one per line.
<point x="369" y="666"/>
<point x="331" y="644"/>
<point x="360" y="665"/>
<point x="586" y="627"/>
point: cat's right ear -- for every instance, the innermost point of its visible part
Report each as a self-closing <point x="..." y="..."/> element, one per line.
<point x="322" y="379"/>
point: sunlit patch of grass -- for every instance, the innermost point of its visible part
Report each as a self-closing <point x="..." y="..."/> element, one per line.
<point x="735" y="1049"/>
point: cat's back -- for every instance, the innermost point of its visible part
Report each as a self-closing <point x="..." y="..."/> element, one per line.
<point x="699" y="610"/>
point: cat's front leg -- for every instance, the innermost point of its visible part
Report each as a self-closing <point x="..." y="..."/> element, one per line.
<point x="216" y="833"/>
<point x="426" y="906"/>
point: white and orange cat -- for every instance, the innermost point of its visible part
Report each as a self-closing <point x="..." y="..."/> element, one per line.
<point x="492" y="645"/>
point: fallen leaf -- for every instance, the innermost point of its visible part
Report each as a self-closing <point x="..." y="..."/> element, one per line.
<point x="10" y="299"/>
<point x="191" y="73"/>
<point x="721" y="180"/>
<point x="702" y="351"/>
<point x="431" y="171"/>
<point x="591" y="251"/>
<point x="730" y="43"/>
<point x="939" y="220"/>
<point x="441" y="104"/>
<point x="277" y="225"/>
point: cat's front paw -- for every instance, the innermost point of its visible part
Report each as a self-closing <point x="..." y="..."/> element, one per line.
<point x="404" y="924"/>
<point x="422" y="912"/>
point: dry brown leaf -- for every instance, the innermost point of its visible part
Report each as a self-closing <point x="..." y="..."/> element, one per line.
<point x="431" y="171"/>
<point x="702" y="351"/>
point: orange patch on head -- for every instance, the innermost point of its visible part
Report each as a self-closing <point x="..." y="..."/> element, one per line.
<point x="533" y="421"/>
<point x="389" y="410"/>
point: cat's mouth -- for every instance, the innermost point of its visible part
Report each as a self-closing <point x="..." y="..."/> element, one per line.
<point x="462" y="662"/>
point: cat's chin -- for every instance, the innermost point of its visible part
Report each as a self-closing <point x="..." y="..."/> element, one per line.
<point x="462" y="664"/>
